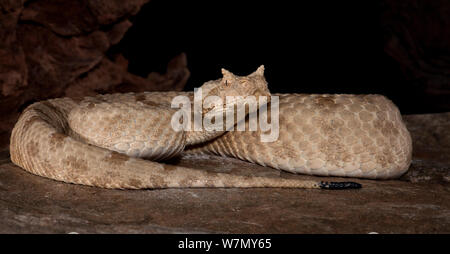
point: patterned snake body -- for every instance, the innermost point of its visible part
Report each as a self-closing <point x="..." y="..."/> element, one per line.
<point x="115" y="141"/>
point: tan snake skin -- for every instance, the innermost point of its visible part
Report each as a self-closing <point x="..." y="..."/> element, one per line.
<point x="97" y="141"/>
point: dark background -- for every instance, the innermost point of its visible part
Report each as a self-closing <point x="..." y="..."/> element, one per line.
<point x="78" y="48"/>
<point x="306" y="47"/>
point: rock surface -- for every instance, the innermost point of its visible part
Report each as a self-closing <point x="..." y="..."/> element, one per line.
<point x="418" y="202"/>
<point x="46" y="53"/>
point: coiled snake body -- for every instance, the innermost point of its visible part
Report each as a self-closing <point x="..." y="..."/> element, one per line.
<point x="115" y="141"/>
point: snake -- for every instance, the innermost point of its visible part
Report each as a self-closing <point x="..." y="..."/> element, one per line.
<point x="123" y="140"/>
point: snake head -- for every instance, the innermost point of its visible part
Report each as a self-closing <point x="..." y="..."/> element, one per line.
<point x="223" y="94"/>
<point x="254" y="84"/>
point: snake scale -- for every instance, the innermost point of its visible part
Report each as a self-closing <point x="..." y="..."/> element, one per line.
<point x="121" y="140"/>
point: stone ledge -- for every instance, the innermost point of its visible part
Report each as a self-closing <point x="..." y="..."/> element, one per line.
<point x="418" y="202"/>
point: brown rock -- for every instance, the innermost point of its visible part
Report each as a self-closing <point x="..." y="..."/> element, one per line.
<point x="79" y="17"/>
<point x="431" y="136"/>
<point x="431" y="148"/>
<point x="419" y="202"/>
<point x="47" y="53"/>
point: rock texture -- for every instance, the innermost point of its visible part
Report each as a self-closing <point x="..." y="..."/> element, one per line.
<point x="46" y="53"/>
<point x="419" y="202"/>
